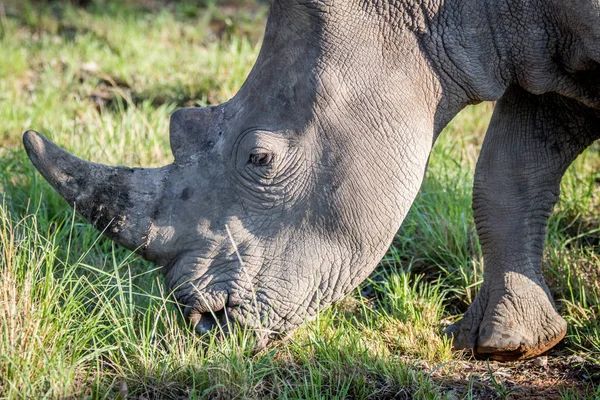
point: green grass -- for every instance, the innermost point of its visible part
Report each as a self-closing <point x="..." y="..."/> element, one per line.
<point x="80" y="317"/>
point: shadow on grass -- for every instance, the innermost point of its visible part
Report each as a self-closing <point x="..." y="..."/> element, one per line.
<point x="310" y="372"/>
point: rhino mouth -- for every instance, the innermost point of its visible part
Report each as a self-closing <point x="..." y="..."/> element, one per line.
<point x="210" y="321"/>
<point x="231" y="320"/>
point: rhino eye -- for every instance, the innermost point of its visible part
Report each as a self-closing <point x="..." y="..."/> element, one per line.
<point x="261" y="159"/>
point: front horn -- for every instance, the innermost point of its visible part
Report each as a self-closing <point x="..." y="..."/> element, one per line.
<point x="118" y="201"/>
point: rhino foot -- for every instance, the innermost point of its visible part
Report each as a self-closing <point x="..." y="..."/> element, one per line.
<point x="515" y="321"/>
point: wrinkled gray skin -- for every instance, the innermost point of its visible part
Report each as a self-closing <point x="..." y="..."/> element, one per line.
<point x="313" y="165"/>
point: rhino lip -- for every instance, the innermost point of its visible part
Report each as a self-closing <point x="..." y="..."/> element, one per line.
<point x="220" y="317"/>
<point x="209" y="321"/>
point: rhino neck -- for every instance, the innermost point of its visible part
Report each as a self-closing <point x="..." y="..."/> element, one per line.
<point x="375" y="117"/>
<point x="477" y="49"/>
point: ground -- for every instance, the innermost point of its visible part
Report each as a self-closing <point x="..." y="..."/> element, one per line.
<point x="82" y="318"/>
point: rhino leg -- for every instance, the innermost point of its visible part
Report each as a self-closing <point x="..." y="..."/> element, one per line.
<point x="530" y="143"/>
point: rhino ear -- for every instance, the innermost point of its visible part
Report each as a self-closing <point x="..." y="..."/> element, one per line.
<point x="194" y="131"/>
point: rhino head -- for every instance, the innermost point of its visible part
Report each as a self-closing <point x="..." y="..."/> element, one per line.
<point x="282" y="200"/>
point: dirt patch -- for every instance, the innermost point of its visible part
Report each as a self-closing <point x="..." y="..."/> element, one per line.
<point x="546" y="377"/>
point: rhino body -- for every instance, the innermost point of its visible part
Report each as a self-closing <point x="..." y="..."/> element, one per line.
<point x="282" y="200"/>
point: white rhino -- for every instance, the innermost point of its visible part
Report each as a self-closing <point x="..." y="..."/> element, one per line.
<point x="307" y="173"/>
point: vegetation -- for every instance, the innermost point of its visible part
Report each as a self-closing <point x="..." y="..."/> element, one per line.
<point x="82" y="318"/>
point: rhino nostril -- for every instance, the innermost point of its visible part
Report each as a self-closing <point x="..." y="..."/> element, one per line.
<point x="211" y="320"/>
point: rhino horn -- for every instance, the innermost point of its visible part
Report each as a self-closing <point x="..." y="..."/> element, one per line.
<point x="118" y="201"/>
